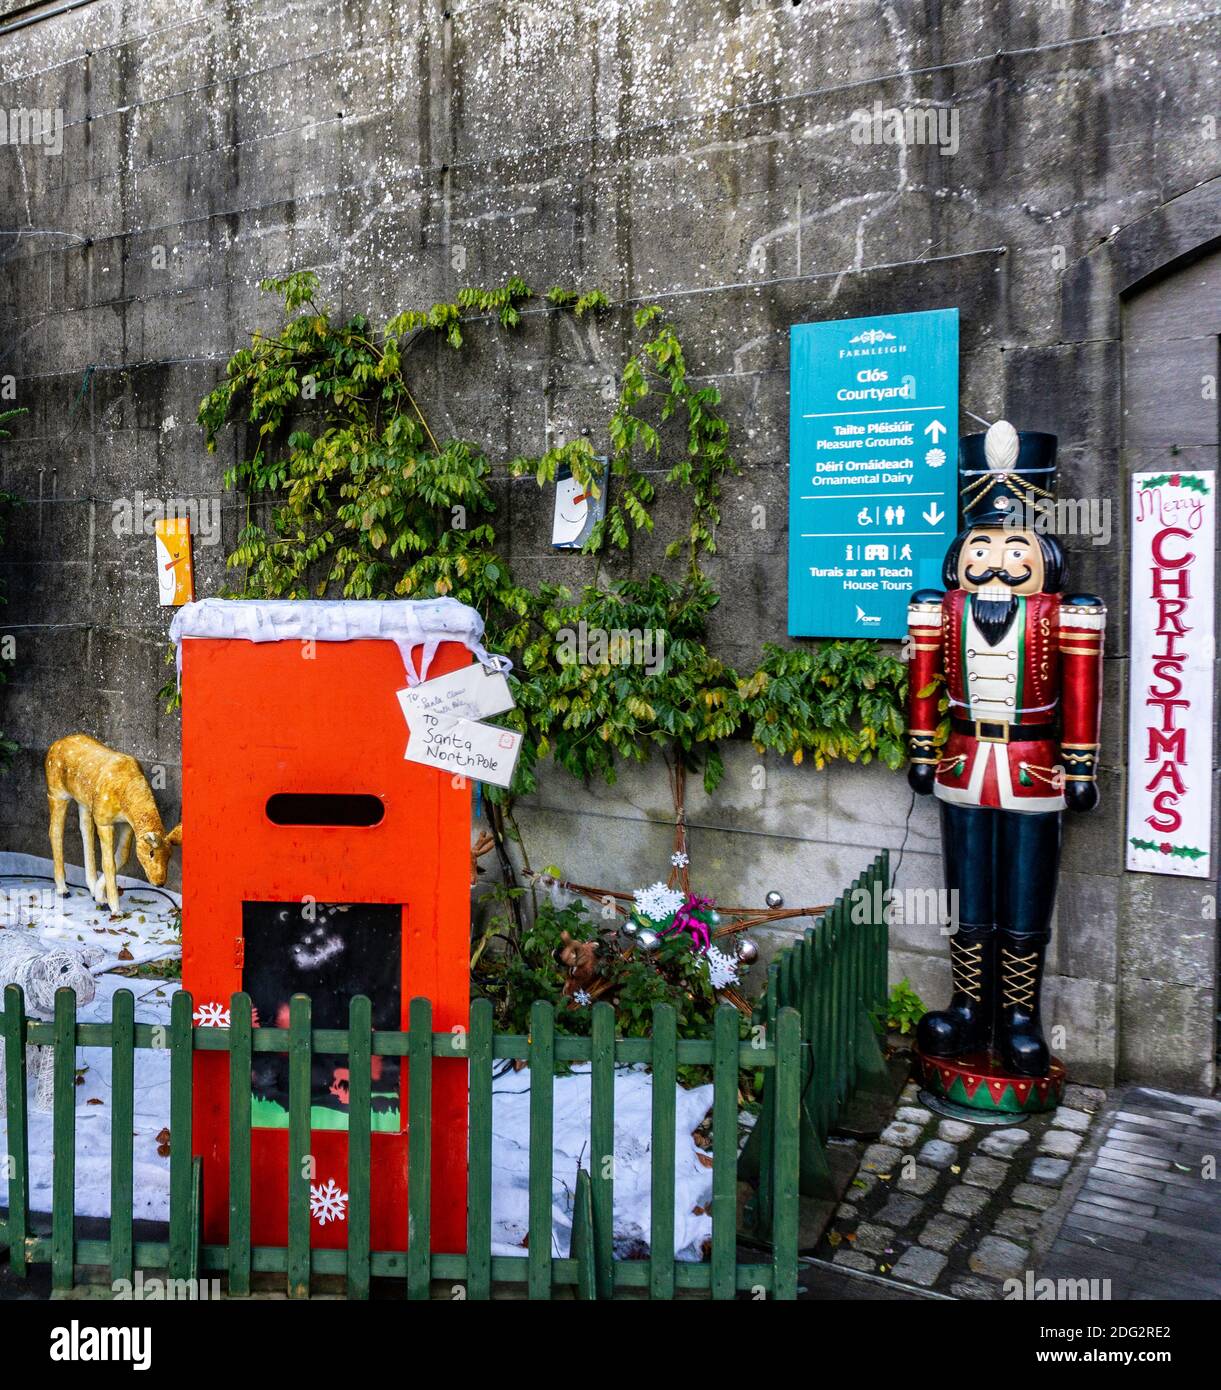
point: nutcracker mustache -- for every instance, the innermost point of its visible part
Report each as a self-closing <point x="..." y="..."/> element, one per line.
<point x="1004" y="576"/>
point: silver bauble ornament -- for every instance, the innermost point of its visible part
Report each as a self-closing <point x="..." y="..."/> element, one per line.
<point x="775" y="899"/>
<point x="629" y="928"/>
<point x="747" y="952"/>
<point x="648" y="940"/>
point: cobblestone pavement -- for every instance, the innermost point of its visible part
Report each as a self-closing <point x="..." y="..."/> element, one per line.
<point x="959" y="1208"/>
<point x="1145" y="1213"/>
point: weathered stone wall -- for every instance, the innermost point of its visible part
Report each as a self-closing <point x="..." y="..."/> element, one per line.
<point x="696" y="154"/>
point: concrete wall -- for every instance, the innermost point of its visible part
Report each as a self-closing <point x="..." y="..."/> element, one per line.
<point x="695" y="154"/>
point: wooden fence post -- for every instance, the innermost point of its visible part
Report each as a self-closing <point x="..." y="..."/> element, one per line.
<point x="181" y="1040"/>
<point x="419" y="1151"/>
<point x="63" y="1129"/>
<point x="360" y="1122"/>
<point x="18" y="1128"/>
<point x="479" y="1166"/>
<point x="602" y="1143"/>
<point x="583" y="1237"/>
<point x="786" y="1155"/>
<point x="542" y="1115"/>
<point x="300" y="1160"/>
<point x="122" y="1116"/>
<point x="240" y="1056"/>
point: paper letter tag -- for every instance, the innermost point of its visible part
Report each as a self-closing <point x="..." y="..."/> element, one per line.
<point x="473" y="692"/>
<point x="481" y="752"/>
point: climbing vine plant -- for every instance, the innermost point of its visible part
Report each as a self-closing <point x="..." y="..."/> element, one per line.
<point x="350" y="493"/>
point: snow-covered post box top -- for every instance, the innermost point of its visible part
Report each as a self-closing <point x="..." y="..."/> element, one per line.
<point x="408" y="623"/>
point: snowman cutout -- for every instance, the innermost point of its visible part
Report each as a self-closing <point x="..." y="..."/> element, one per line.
<point x="173" y="548"/>
<point x="167" y="580"/>
<point x="573" y="515"/>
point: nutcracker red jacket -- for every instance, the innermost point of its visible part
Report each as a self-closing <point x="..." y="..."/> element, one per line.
<point x="1045" y="675"/>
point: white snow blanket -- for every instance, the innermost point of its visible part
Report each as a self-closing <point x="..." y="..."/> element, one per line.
<point x="145" y="926"/>
<point x="148" y="934"/>
<point x="632" y="1169"/>
<point x="409" y="623"/>
<point x="150" y="1171"/>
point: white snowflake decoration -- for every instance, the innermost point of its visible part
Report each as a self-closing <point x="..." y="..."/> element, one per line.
<point x="327" y="1202"/>
<point x="212" y="1016"/>
<point x="582" y="997"/>
<point x="722" y="969"/>
<point x="679" y="859"/>
<point x="658" y="902"/>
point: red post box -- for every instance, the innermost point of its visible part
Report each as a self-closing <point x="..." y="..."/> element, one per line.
<point x="317" y="860"/>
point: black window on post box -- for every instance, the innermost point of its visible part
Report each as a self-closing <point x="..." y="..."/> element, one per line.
<point x="331" y="952"/>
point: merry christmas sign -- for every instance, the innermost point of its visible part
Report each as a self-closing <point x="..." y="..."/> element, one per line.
<point x="1170" y="697"/>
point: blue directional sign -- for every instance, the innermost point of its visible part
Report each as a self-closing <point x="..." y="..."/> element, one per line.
<point x="873" y="464"/>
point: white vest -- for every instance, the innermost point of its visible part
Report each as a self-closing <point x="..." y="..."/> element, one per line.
<point x="991" y="672"/>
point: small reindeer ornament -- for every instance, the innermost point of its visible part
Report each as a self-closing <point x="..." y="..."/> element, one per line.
<point x="109" y="790"/>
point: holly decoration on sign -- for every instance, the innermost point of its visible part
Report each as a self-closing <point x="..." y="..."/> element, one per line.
<point x="1165" y="847"/>
<point x="1178" y="480"/>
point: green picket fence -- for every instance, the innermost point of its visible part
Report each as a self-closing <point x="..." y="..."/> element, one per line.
<point x="834" y="976"/>
<point x="811" y="1040"/>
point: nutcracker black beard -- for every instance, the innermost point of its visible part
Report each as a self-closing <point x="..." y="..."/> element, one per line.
<point x="994" y="617"/>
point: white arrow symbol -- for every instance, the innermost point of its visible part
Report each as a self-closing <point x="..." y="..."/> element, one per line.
<point x="933" y="427"/>
<point x="933" y="515"/>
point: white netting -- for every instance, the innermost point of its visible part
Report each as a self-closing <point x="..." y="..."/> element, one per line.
<point x="40" y="971"/>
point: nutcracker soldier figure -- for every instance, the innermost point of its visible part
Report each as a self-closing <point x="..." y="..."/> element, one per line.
<point x="1021" y="667"/>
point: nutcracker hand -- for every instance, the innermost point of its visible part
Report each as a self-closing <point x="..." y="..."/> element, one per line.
<point x="921" y="777"/>
<point x="1081" y="796"/>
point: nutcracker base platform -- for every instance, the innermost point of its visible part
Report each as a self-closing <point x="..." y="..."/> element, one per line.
<point x="978" y="1088"/>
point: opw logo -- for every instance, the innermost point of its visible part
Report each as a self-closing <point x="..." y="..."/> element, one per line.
<point x="866" y="619"/>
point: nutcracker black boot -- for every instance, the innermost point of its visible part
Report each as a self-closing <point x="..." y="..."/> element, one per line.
<point x="1020" y="1040"/>
<point x="966" y="1026"/>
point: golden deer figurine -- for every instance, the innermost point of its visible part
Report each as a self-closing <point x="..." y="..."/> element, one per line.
<point x="109" y="790"/>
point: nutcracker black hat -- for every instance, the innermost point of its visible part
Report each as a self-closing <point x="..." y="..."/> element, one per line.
<point x="1003" y="469"/>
